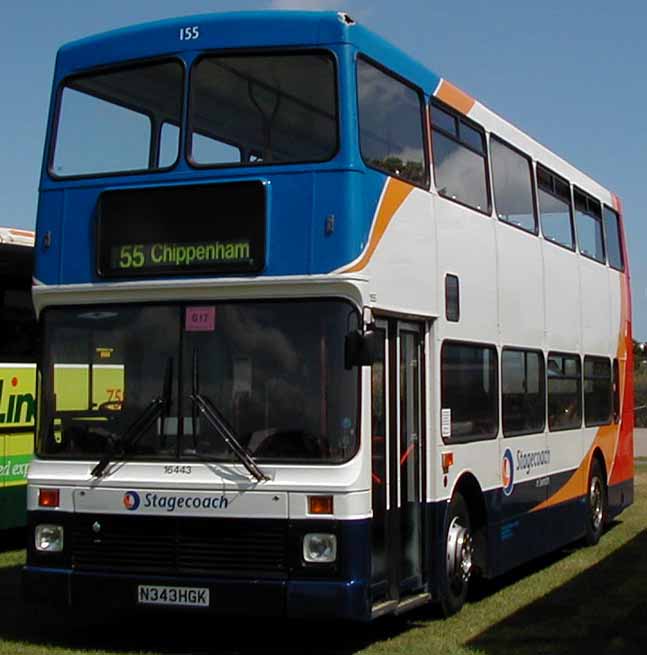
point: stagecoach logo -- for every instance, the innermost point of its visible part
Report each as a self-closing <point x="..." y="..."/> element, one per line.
<point x="171" y="503"/>
<point x="507" y="472"/>
<point x="131" y="500"/>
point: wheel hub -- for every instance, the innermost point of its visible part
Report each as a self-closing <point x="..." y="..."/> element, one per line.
<point x="459" y="551"/>
<point x="595" y="498"/>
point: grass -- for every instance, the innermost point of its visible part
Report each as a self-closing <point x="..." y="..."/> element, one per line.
<point x="579" y="600"/>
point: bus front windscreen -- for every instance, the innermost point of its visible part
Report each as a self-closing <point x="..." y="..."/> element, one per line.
<point x="131" y="382"/>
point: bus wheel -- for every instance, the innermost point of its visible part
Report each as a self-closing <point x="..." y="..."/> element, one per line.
<point x="596" y="515"/>
<point x="459" y="548"/>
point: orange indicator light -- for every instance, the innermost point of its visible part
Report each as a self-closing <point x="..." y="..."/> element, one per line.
<point x="447" y="460"/>
<point x="48" y="497"/>
<point x="320" y="504"/>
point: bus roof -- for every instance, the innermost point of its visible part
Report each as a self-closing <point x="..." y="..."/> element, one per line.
<point x="249" y="29"/>
<point x="294" y="29"/>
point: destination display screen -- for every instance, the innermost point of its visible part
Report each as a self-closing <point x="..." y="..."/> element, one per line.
<point x="217" y="228"/>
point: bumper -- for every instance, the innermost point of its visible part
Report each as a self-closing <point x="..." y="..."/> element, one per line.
<point x="295" y="599"/>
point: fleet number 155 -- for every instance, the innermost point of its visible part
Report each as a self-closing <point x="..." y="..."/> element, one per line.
<point x="189" y="33"/>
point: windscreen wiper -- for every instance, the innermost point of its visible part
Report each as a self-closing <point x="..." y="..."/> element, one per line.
<point x="158" y="407"/>
<point x="222" y="427"/>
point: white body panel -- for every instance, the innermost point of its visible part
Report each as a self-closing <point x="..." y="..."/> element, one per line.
<point x="516" y="289"/>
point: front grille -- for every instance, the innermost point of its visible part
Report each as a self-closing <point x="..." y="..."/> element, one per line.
<point x="180" y="546"/>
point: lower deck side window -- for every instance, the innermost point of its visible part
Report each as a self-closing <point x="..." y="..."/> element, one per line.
<point x="597" y="391"/>
<point x="469" y="391"/>
<point x="523" y="391"/>
<point x="564" y="392"/>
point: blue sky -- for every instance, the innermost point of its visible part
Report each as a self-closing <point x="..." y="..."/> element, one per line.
<point x="569" y="73"/>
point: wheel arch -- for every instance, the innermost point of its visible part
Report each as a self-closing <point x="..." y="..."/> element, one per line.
<point x="599" y="455"/>
<point x="470" y="489"/>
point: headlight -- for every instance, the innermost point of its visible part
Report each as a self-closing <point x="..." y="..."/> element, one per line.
<point x="319" y="548"/>
<point x="49" y="538"/>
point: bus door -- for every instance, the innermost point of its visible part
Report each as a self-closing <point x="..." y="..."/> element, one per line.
<point x="397" y="456"/>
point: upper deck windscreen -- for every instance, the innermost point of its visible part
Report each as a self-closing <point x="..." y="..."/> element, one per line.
<point x="124" y="119"/>
<point x="263" y="109"/>
<point x="251" y="109"/>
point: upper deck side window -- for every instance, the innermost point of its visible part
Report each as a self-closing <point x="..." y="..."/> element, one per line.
<point x="512" y="179"/>
<point x="554" y="198"/>
<point x="613" y="235"/>
<point x="122" y="120"/>
<point x="588" y="221"/>
<point x="263" y="109"/>
<point x="460" y="163"/>
<point x="391" y="128"/>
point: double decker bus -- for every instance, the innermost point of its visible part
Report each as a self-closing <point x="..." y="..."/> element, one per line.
<point x="364" y="340"/>
<point x="17" y="373"/>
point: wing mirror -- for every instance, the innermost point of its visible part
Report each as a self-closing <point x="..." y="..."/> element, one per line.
<point x="362" y="348"/>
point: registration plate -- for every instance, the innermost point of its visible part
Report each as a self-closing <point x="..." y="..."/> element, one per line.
<point x="179" y="596"/>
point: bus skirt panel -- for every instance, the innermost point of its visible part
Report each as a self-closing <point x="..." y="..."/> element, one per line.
<point x="295" y="589"/>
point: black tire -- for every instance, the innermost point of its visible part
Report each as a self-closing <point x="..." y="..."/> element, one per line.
<point x="596" y="504"/>
<point x="458" y="548"/>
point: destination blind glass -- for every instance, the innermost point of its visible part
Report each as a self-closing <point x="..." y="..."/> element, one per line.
<point x="216" y="228"/>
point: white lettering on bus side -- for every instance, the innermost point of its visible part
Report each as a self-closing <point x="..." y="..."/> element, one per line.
<point x="527" y="461"/>
<point x="172" y="503"/>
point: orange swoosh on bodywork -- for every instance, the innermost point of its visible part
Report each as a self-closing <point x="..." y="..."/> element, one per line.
<point x="615" y="440"/>
<point x="454" y="97"/>
<point x="395" y="194"/>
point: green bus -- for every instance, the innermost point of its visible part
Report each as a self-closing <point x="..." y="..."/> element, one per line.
<point x="17" y="373"/>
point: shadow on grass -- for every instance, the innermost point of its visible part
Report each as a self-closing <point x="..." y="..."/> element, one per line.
<point x="603" y="611"/>
<point x="175" y="632"/>
<point x="487" y="588"/>
<point x="12" y="539"/>
<point x="601" y="607"/>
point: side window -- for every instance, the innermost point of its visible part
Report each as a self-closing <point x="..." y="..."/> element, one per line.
<point x="554" y="197"/>
<point x="390" y="124"/>
<point x="469" y="393"/>
<point x="523" y="391"/>
<point x="598" y="391"/>
<point x="614" y="241"/>
<point x="512" y="177"/>
<point x="460" y="167"/>
<point x="452" y="298"/>
<point x="564" y="392"/>
<point x="588" y="220"/>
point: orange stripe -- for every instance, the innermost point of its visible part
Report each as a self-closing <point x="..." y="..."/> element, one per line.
<point x="454" y="97"/>
<point x="617" y="203"/>
<point x="615" y="441"/>
<point x="623" y="464"/>
<point x="395" y="194"/>
<point x="22" y="233"/>
<point x="576" y="486"/>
